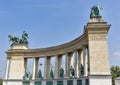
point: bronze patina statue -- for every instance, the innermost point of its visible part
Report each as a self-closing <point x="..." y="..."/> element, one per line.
<point x="51" y="73"/>
<point x="61" y="72"/>
<point x="95" y="11"/>
<point x="81" y="70"/>
<point x="72" y="71"/>
<point x="17" y="40"/>
<point x="27" y="76"/>
<point x="39" y="74"/>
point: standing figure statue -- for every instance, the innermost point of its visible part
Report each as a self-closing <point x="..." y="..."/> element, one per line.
<point x="81" y="70"/>
<point x="72" y="71"/>
<point x="95" y="11"/>
<point x="39" y="74"/>
<point x="24" y="38"/>
<point x="27" y="76"/>
<point x="51" y="73"/>
<point x="61" y="72"/>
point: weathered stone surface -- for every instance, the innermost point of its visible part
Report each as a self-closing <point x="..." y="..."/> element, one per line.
<point x="94" y="40"/>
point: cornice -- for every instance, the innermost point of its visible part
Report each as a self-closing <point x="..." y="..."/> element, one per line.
<point x="50" y="51"/>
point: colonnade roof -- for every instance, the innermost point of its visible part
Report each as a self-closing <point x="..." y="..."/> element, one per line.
<point x="51" y="51"/>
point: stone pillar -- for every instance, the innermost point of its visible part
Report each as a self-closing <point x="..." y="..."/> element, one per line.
<point x="7" y="68"/>
<point x="68" y="57"/>
<point x="25" y="64"/>
<point x="17" y="68"/>
<point x="96" y="31"/>
<point x="47" y="67"/>
<point x="79" y="62"/>
<point x="56" y="67"/>
<point x="35" y="68"/>
<point x="84" y="61"/>
<point x="17" y="62"/>
<point x="76" y="63"/>
<point x="58" y="63"/>
<point x="82" y="58"/>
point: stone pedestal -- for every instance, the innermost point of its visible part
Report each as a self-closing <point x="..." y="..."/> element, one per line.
<point x="19" y="46"/>
<point x="96" y="31"/>
<point x="17" y="65"/>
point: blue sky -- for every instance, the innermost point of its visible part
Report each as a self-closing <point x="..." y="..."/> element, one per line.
<point x="54" y="22"/>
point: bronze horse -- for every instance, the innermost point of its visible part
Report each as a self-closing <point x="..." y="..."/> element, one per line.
<point x="17" y="40"/>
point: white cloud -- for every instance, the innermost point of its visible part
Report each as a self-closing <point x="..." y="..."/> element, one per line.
<point x="116" y="53"/>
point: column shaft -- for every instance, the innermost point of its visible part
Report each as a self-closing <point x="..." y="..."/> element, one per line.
<point x="47" y="67"/>
<point x="68" y="64"/>
<point x="83" y="57"/>
<point x="58" y="63"/>
<point x="25" y="64"/>
<point x="76" y="63"/>
<point x="79" y="61"/>
<point x="7" y="68"/>
<point x="35" y="68"/>
<point x="84" y="61"/>
<point x="56" y="67"/>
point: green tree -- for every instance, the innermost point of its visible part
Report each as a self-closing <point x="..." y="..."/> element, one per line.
<point x="1" y="81"/>
<point x="115" y="72"/>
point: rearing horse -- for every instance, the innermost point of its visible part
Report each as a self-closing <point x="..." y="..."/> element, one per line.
<point x="14" y="39"/>
<point x="17" y="40"/>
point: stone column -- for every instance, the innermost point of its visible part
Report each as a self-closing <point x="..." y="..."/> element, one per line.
<point x="88" y="62"/>
<point x="56" y="67"/>
<point x="7" y="68"/>
<point x="76" y="63"/>
<point x="47" y="67"/>
<point x="79" y="62"/>
<point x="68" y="57"/>
<point x="58" y="63"/>
<point x="25" y="64"/>
<point x="84" y="61"/>
<point x="35" y="68"/>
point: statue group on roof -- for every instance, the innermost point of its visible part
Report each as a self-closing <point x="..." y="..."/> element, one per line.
<point x="17" y="40"/>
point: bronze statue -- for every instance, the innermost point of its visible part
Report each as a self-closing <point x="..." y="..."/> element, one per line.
<point x="27" y="76"/>
<point x="14" y="39"/>
<point x="39" y="74"/>
<point x="81" y="70"/>
<point x="24" y="39"/>
<point x="95" y="11"/>
<point x="61" y="72"/>
<point x="17" y="40"/>
<point x="51" y="73"/>
<point x="72" y="71"/>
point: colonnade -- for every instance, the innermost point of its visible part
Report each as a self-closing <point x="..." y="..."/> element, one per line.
<point x="89" y="50"/>
<point x="74" y="59"/>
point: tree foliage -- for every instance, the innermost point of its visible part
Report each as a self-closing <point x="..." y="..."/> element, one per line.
<point x="1" y="81"/>
<point x="115" y="72"/>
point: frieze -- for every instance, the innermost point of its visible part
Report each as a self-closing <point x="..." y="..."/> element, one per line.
<point x="97" y="37"/>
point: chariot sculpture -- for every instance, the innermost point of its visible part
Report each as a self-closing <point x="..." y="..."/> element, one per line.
<point x="17" y="40"/>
